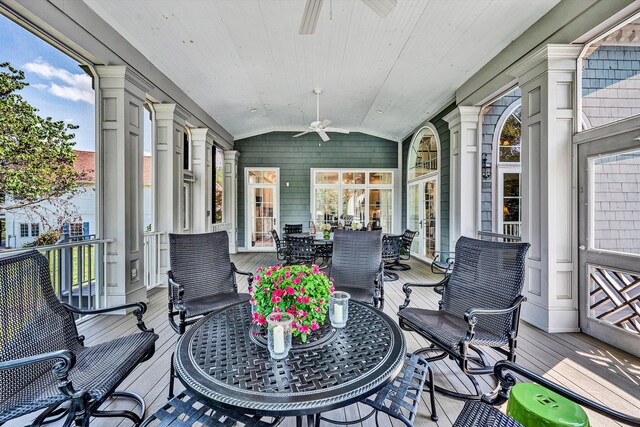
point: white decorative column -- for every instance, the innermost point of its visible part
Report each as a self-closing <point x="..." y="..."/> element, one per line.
<point x="464" y="200"/>
<point x="547" y="80"/>
<point x="120" y="182"/>
<point x="202" y="166"/>
<point x="167" y="188"/>
<point x="230" y="194"/>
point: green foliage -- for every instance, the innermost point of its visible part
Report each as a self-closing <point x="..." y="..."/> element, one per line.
<point x="36" y="154"/>
<point x="510" y="138"/>
<point x="299" y="290"/>
<point x="49" y="237"/>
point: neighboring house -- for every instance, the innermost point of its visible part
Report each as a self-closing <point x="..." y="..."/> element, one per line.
<point x="23" y="225"/>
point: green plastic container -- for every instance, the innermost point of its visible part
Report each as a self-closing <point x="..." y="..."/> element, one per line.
<point x="533" y="405"/>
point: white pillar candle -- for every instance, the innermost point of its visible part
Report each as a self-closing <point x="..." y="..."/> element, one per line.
<point x="278" y="339"/>
<point x="337" y="313"/>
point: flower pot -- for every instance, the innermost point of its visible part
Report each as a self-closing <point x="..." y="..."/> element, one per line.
<point x="327" y="235"/>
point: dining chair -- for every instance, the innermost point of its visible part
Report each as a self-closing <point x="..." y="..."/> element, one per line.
<point x="405" y="252"/>
<point x="292" y="229"/>
<point x="281" y="247"/>
<point x="44" y="363"/>
<point x="391" y="246"/>
<point x="301" y="250"/>
<point x="356" y="265"/>
<point x="480" y="307"/>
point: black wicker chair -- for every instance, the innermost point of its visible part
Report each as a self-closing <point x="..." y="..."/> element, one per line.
<point x="292" y="229"/>
<point x="480" y="414"/>
<point x="301" y="250"/>
<point x="201" y="280"/>
<point x="480" y="306"/>
<point x="281" y="247"/>
<point x="391" y="247"/>
<point x="405" y="252"/>
<point x="356" y="265"/>
<point x="443" y="262"/>
<point x="43" y="361"/>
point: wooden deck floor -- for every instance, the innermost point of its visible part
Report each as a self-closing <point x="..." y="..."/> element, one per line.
<point x="577" y="361"/>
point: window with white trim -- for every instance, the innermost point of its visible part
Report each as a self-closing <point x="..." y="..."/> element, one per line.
<point x="24" y="230"/>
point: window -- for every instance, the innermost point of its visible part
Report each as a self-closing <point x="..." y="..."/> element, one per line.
<point x="35" y="230"/>
<point x="510" y="138"/>
<point x="186" y="203"/>
<point x="76" y="229"/>
<point x="186" y="151"/>
<point x="610" y="80"/>
<point x="423" y="154"/>
<point x="24" y="230"/>
<point x="347" y="196"/>
<point x="218" y="185"/>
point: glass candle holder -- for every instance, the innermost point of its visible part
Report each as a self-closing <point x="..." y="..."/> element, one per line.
<point x="279" y="334"/>
<point x="339" y="309"/>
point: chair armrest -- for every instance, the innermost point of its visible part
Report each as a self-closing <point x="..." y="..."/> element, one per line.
<point x="244" y="273"/>
<point x="140" y="309"/>
<point x="65" y="361"/>
<point x="507" y="381"/>
<point x="470" y="314"/>
<point x="406" y="288"/>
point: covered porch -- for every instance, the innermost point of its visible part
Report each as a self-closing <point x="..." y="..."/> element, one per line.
<point x="450" y="119"/>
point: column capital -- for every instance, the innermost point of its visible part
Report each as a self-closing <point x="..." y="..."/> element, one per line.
<point x="461" y="114"/>
<point x="231" y="155"/>
<point x="167" y="111"/>
<point x="549" y="57"/>
<point x="199" y="135"/>
<point x="116" y="77"/>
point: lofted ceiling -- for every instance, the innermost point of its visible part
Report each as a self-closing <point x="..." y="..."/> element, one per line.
<point x="232" y="56"/>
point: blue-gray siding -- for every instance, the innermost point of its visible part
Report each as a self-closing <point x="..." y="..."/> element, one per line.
<point x="296" y="156"/>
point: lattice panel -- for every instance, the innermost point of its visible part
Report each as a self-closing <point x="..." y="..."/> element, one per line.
<point x="614" y="297"/>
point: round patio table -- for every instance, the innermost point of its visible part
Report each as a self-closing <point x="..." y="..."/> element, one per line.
<point x="222" y="359"/>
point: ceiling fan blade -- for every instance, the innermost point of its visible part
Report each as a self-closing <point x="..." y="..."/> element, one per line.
<point x="323" y="124"/>
<point x="381" y="7"/>
<point x="338" y="130"/>
<point x="310" y="16"/>
<point x="323" y="135"/>
<point x="302" y="133"/>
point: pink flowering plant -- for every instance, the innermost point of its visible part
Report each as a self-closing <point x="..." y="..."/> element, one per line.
<point x="296" y="289"/>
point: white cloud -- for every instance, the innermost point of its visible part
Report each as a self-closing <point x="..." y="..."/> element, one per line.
<point x="75" y="87"/>
<point x="39" y="86"/>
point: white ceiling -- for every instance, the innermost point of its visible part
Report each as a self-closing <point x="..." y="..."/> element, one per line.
<point x="234" y="55"/>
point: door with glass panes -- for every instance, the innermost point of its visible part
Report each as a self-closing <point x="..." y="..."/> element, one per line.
<point x="423" y="217"/>
<point x="262" y="207"/>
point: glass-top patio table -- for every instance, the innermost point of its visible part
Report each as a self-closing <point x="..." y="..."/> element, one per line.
<point x="223" y="359"/>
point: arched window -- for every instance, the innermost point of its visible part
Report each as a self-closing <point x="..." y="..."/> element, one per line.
<point x="423" y="213"/>
<point x="508" y="145"/>
<point x="423" y="154"/>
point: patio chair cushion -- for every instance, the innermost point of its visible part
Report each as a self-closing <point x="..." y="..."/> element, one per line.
<point x="479" y="414"/>
<point x="98" y="369"/>
<point x="447" y="329"/>
<point x="207" y="304"/>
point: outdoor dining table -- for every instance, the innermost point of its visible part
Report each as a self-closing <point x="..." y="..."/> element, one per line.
<point x="224" y="360"/>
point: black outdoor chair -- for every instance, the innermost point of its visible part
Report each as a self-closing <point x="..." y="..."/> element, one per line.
<point x="481" y="414"/>
<point x="201" y="280"/>
<point x="480" y="306"/>
<point x="281" y="247"/>
<point x="443" y="262"/>
<point x="292" y="229"/>
<point x="43" y="361"/>
<point x="301" y="250"/>
<point x="405" y="252"/>
<point x="356" y="266"/>
<point x="391" y="246"/>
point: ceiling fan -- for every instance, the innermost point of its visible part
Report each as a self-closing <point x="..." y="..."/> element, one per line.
<point x="313" y="7"/>
<point x="320" y="127"/>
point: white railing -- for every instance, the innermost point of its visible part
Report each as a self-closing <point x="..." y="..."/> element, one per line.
<point x="511" y="228"/>
<point x="152" y="259"/>
<point x="77" y="271"/>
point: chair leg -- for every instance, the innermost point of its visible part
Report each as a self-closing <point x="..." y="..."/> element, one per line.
<point x="137" y="419"/>
<point x="172" y="376"/>
<point x="432" y="395"/>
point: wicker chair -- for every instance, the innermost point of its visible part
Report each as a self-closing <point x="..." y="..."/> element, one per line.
<point x="443" y="262"/>
<point x="480" y="414"/>
<point x="292" y="228"/>
<point x="405" y="252"/>
<point x="391" y="247"/>
<point x="281" y="247"/>
<point x="43" y="361"/>
<point x="356" y="265"/>
<point x="301" y="250"/>
<point x="480" y="306"/>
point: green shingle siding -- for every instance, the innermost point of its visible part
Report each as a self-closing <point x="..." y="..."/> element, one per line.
<point x="296" y="156"/>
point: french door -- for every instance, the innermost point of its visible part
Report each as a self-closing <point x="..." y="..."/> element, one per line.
<point x="609" y="238"/>
<point x="262" y="206"/>
<point x="423" y="210"/>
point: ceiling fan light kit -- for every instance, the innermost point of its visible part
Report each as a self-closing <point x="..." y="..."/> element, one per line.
<point x="320" y="127"/>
